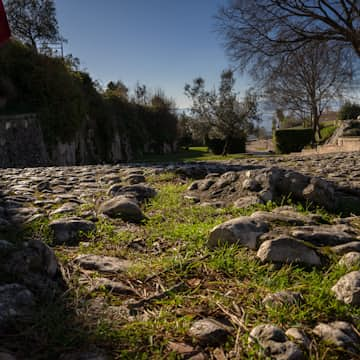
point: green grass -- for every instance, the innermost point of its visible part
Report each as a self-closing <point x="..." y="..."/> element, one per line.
<point x="214" y="283"/>
<point x="326" y="132"/>
<point x="192" y="154"/>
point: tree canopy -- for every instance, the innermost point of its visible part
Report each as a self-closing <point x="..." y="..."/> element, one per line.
<point x="219" y="114"/>
<point x="33" y="21"/>
<point x="349" y="111"/>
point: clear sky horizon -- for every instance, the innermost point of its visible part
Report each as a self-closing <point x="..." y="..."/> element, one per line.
<point x="160" y="43"/>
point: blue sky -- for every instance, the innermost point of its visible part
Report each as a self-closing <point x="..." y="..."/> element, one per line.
<point x="160" y="43"/>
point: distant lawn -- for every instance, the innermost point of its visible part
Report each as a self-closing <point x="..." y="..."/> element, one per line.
<point x="327" y="131"/>
<point x="192" y="154"/>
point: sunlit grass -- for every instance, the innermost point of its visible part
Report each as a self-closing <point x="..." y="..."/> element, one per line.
<point x="173" y="252"/>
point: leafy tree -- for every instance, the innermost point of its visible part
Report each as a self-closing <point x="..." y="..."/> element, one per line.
<point x="184" y="131"/>
<point x="160" y="102"/>
<point x="258" y="28"/>
<point x="162" y="122"/>
<point x="117" y="89"/>
<point x="33" y="21"/>
<point x="349" y="111"/>
<point x="202" y="109"/>
<point x="221" y="113"/>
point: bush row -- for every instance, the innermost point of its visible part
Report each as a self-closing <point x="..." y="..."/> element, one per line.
<point x="292" y="140"/>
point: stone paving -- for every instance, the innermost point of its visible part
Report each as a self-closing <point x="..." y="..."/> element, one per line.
<point x="73" y="199"/>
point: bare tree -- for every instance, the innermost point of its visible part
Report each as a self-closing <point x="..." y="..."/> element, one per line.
<point x="308" y="80"/>
<point x="33" y="21"/>
<point x="262" y="28"/>
<point x="141" y="95"/>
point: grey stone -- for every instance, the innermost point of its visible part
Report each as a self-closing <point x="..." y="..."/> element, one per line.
<point x="193" y="199"/>
<point x="16" y="301"/>
<point x="134" y="171"/>
<point x="266" y="195"/>
<point x="274" y="343"/>
<point x="350" y="259"/>
<point x="69" y="230"/>
<point x="111" y="179"/>
<point x="346" y="248"/>
<point x="140" y="192"/>
<point x="123" y="208"/>
<point x="133" y="179"/>
<point x="226" y="179"/>
<point x="206" y="184"/>
<point x="6" y="246"/>
<point x="241" y="231"/>
<point x="193" y="186"/>
<point x="347" y="289"/>
<point x="289" y="182"/>
<point x="284" y="214"/>
<point x="324" y="235"/>
<point x="209" y="331"/>
<point x="116" y="287"/>
<point x="285" y="250"/>
<point x="44" y="185"/>
<point x="105" y="264"/>
<point x="299" y="337"/>
<point x="35" y="217"/>
<point x="339" y="333"/>
<point x="6" y="356"/>
<point x="247" y="201"/>
<point x="65" y="208"/>
<point x="320" y="192"/>
<point x="214" y="204"/>
<point x="4" y="224"/>
<point x="267" y="332"/>
<point x="33" y="256"/>
<point x="287" y="350"/>
<point x="251" y="185"/>
<point x="183" y="349"/>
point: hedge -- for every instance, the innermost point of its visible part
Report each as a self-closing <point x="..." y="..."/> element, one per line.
<point x="236" y="145"/>
<point x="292" y="140"/>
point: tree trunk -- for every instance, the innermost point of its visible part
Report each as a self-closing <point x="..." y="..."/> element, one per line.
<point x="316" y="127"/>
<point x="33" y="44"/>
<point x="226" y="146"/>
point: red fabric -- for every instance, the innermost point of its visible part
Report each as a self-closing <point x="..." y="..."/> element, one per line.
<point x="4" y="26"/>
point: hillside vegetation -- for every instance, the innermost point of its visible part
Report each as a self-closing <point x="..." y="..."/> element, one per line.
<point x="68" y="100"/>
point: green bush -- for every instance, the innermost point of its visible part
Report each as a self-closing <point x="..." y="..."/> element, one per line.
<point x="349" y="111"/>
<point x="292" y="140"/>
<point x="236" y="145"/>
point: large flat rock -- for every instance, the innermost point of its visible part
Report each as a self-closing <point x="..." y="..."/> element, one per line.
<point x="241" y="231"/>
<point x="285" y="250"/>
<point x="105" y="264"/>
<point x="123" y="208"/>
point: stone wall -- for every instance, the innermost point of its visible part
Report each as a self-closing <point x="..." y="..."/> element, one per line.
<point x="349" y="143"/>
<point x="21" y="142"/>
<point x="344" y="144"/>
